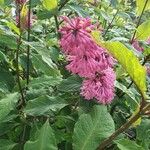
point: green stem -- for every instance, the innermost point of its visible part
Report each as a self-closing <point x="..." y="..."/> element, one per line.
<point x="17" y="60"/>
<point x="139" y="21"/>
<point x="57" y="26"/>
<point x="118" y="131"/>
<point x="22" y="138"/>
<point x="28" y="47"/>
<point x="111" y="22"/>
<point x="17" y="70"/>
<point x="61" y="22"/>
<point x="63" y="4"/>
<point x="124" y="127"/>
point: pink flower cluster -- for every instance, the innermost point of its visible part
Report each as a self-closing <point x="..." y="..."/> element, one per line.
<point x="88" y="60"/>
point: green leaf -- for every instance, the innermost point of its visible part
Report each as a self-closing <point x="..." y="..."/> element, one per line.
<point x="45" y="65"/>
<point x="45" y="81"/>
<point x="124" y="89"/>
<point x="70" y="84"/>
<point x="79" y="10"/>
<point x="8" y="41"/>
<point x="44" y="141"/>
<point x="92" y="128"/>
<point x="2" y="56"/>
<point x="146" y="51"/>
<point x="44" y="14"/>
<point x="125" y="144"/>
<point x="12" y="26"/>
<point x="43" y="105"/>
<point x="1" y="2"/>
<point x="6" y="127"/>
<point x="114" y="3"/>
<point x="7" y="104"/>
<point x="35" y="3"/>
<point x="140" y="5"/>
<point x="143" y="31"/>
<point x="143" y="133"/>
<point x="6" y="144"/>
<point x="50" y="4"/>
<point x="6" y="79"/>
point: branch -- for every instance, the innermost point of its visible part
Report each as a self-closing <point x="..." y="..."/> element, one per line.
<point x="55" y="17"/>
<point x="120" y="130"/>
<point x="61" y="22"/>
<point x="63" y="4"/>
<point x="22" y="137"/>
<point x="111" y="23"/>
<point x="124" y="127"/>
<point x="57" y="26"/>
<point x="139" y="21"/>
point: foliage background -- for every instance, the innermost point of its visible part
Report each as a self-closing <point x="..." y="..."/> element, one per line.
<point x="51" y="114"/>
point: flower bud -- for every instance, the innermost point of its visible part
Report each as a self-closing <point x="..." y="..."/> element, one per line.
<point x="137" y="46"/>
<point x="21" y="2"/>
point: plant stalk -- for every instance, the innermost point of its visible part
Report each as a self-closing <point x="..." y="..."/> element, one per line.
<point x="63" y="4"/>
<point x="17" y="59"/>
<point x="28" y="47"/>
<point x="57" y="26"/>
<point x="124" y="127"/>
<point x="138" y="23"/>
<point x="111" y="22"/>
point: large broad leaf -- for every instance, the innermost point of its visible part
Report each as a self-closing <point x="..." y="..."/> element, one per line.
<point x="6" y="144"/>
<point x="92" y="128"/>
<point x="143" y="31"/>
<point x="7" y="104"/>
<point x="140" y="5"/>
<point x="125" y="144"/>
<point x="43" y="105"/>
<point x="45" y="140"/>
